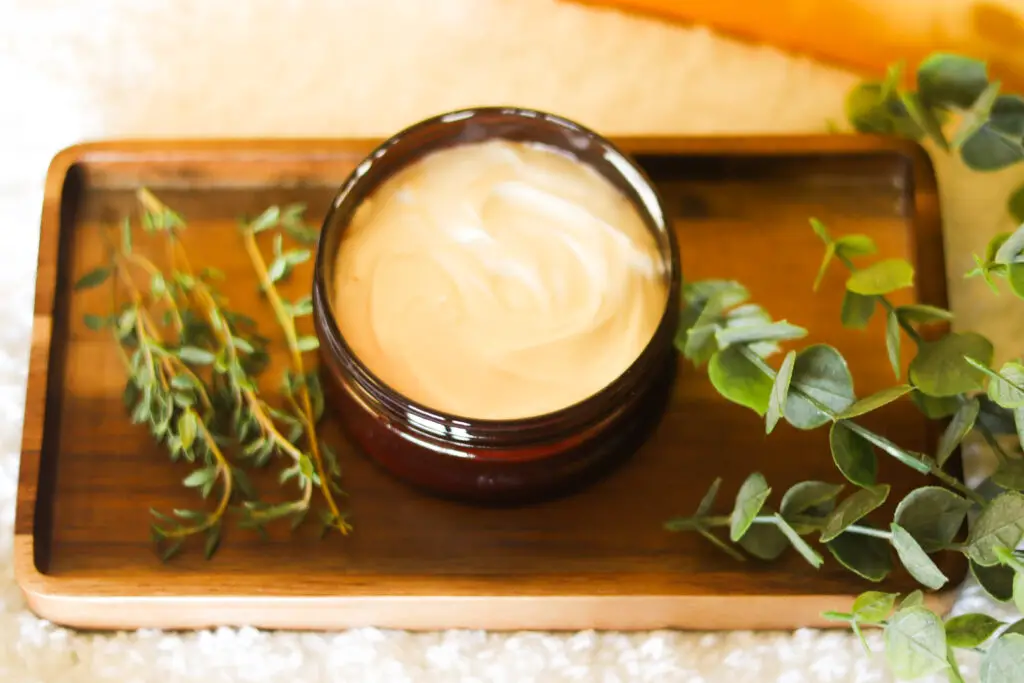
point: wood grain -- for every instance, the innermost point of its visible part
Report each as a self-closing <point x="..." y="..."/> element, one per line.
<point x="597" y="559"/>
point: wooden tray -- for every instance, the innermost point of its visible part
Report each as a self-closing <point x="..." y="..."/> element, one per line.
<point x="599" y="559"/>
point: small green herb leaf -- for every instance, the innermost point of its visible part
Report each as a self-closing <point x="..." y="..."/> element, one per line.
<point x="875" y="401"/>
<point x="915" y="643"/>
<point x="95" y="322"/>
<point x="932" y="515"/>
<point x="958" y="428"/>
<point x="916" y="560"/>
<point x="1007" y="389"/>
<point x="1001" y="523"/>
<point x="970" y="630"/>
<point x="882" y="277"/>
<point x="808" y="553"/>
<point x="212" y="540"/>
<point x="709" y="498"/>
<point x="200" y="477"/>
<point x="1000" y="141"/>
<point x="821" y="231"/>
<point x="187" y="425"/>
<point x="93" y="278"/>
<point x="308" y="344"/>
<point x="820" y="372"/>
<point x="737" y="379"/>
<point x="947" y="79"/>
<point x="852" y="509"/>
<point x="749" y="500"/>
<point x="892" y="342"/>
<point x="940" y="368"/>
<point x="854" y="456"/>
<point x="851" y="246"/>
<point x="866" y="556"/>
<point x="780" y="390"/>
<point x="195" y="355"/>
<point x="857" y="310"/>
<point x="266" y="220"/>
<point x="873" y="607"/>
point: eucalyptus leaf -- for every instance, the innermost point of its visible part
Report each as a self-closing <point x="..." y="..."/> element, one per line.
<point x="854" y="456"/>
<point x="882" y="277"/>
<point x="742" y="334"/>
<point x="94" y="277"/>
<point x="720" y="544"/>
<point x="709" y="498"/>
<point x="916" y="560"/>
<point x="915" y="643"/>
<point x="830" y="253"/>
<point x="857" y="310"/>
<point x="95" y="322"/>
<point x="780" y="390"/>
<point x="821" y="230"/>
<point x="1000" y="141"/>
<point x="1007" y="390"/>
<point x="932" y="515"/>
<point x="815" y="498"/>
<point x="970" y="630"/>
<point x="867" y="556"/>
<point x="912" y="460"/>
<point x="940" y="368"/>
<point x="913" y="599"/>
<point x="873" y="607"/>
<point x="749" y="500"/>
<point x="892" y="342"/>
<point x="1018" y="592"/>
<point x="933" y="407"/>
<point x="876" y="401"/>
<point x="1004" y="660"/>
<point x="922" y="314"/>
<point x="854" y="508"/>
<point x="996" y="580"/>
<point x="850" y="246"/>
<point x="1001" y="523"/>
<point x="957" y="429"/>
<point x="808" y="553"/>
<point x="1016" y="204"/>
<point x="948" y="79"/>
<point x="925" y="118"/>
<point x="1015" y="276"/>
<point x="820" y="372"/>
<point x="871" y="109"/>
<point x="764" y="541"/>
<point x="737" y="379"/>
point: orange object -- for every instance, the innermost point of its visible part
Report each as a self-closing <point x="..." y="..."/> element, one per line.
<point x="864" y="35"/>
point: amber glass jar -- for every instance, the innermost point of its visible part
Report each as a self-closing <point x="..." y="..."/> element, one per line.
<point x="495" y="460"/>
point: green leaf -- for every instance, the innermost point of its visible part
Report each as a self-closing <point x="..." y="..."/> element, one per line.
<point x="195" y="355"/>
<point x="922" y="314"/>
<point x="266" y="220"/>
<point x="873" y="607"/>
<point x="882" y="277"/>
<point x="749" y="500"/>
<point x="95" y="322"/>
<point x="852" y="509"/>
<point x="830" y="253"/>
<point x="915" y="643"/>
<point x="1018" y="591"/>
<point x="857" y="310"/>
<point x="1016" y="204"/>
<point x="171" y="550"/>
<point x="764" y="541"/>
<point x="1004" y="661"/>
<point x="774" y="331"/>
<point x="977" y="116"/>
<point x="737" y="379"/>
<point x="709" y="498"/>
<point x="935" y="408"/>
<point x="970" y="630"/>
<point x="277" y="270"/>
<point x="1011" y="249"/>
<point x="308" y="344"/>
<point x="1007" y="389"/>
<point x="892" y="342"/>
<point x="809" y="497"/>
<point x="925" y="118"/>
<point x="820" y="372"/>
<point x="957" y="429"/>
<point x="913" y="599"/>
<point x="1018" y="421"/>
<point x="821" y="231"/>
<point x="126" y="235"/>
<point x="93" y="278"/>
<point x="916" y="560"/>
<point x="1010" y="475"/>
<point x="1015" y="276"/>
<point x="940" y="368"/>
<point x="948" y="79"/>
<point x="200" y="477"/>
<point x="996" y="580"/>
<point x="187" y="427"/>
<point x="851" y="246"/>
<point x="1001" y="523"/>
<point x="722" y="545"/>
<point x="853" y="455"/>
<point x="932" y="515"/>
<point x="808" y="553"/>
<point x="212" y="541"/>
<point x="866" y="556"/>
<point x="1000" y="141"/>
<point x="873" y="108"/>
<point x="780" y="390"/>
<point x="876" y="401"/>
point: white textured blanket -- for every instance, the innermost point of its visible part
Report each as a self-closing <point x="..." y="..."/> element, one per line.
<point x="117" y="68"/>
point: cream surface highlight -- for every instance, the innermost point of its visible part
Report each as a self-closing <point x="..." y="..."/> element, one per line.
<point x="498" y="280"/>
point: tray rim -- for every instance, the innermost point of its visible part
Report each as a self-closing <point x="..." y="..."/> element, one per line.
<point x="71" y="600"/>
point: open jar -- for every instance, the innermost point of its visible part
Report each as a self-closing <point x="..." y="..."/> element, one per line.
<point x="499" y="457"/>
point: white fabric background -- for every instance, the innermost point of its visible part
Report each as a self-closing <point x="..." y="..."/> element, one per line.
<point x="71" y="71"/>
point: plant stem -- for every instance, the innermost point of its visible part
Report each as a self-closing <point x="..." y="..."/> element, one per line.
<point x="287" y="323"/>
<point x="224" y="472"/>
<point x="816" y="522"/>
<point x="886" y="304"/>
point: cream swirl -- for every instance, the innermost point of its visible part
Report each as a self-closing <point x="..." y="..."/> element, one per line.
<point x="498" y="280"/>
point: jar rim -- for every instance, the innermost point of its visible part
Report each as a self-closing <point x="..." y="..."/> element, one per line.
<point x="434" y="423"/>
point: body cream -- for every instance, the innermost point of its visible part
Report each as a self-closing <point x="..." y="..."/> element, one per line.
<point x="498" y="280"/>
